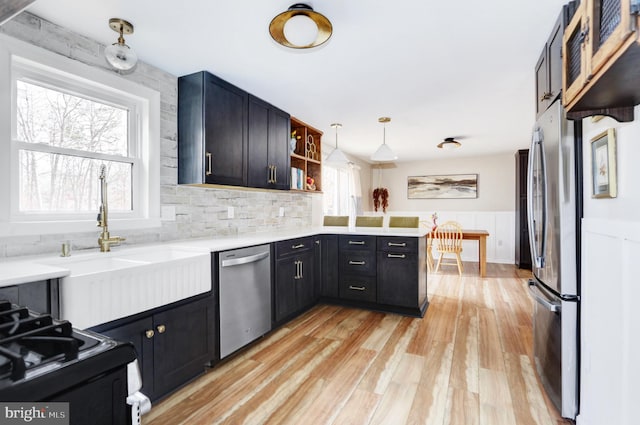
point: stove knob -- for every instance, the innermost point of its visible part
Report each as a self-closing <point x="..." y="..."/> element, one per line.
<point x="149" y="334"/>
<point x="161" y="329"/>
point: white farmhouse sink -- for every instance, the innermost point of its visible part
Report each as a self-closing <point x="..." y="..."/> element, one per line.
<point x="102" y="287"/>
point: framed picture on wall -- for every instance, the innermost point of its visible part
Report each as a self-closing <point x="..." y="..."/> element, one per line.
<point x="445" y="186"/>
<point x="603" y="165"/>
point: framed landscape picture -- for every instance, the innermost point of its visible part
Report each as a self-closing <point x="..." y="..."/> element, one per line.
<point x="603" y="165"/>
<point x="445" y="186"/>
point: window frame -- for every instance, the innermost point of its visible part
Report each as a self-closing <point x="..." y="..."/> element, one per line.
<point x="32" y="64"/>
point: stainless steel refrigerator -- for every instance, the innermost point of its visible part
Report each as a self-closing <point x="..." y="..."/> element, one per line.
<point x="553" y="213"/>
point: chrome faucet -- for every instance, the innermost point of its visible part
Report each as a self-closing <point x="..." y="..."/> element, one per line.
<point x="105" y="241"/>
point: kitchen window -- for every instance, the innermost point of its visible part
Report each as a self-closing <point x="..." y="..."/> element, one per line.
<point x="66" y="119"/>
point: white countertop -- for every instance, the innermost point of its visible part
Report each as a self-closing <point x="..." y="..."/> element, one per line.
<point x="17" y="270"/>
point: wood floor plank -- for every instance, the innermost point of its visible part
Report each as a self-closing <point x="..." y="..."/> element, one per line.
<point x="467" y="362"/>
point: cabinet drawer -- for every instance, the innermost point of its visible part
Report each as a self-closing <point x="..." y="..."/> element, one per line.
<point x="293" y="246"/>
<point x="357" y="242"/>
<point x="359" y="288"/>
<point x="358" y="262"/>
<point x="397" y="244"/>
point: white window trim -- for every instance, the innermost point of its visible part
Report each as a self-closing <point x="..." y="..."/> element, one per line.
<point x="146" y="187"/>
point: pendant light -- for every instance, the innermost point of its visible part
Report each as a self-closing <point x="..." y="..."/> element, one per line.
<point x="384" y="152"/>
<point x="337" y="158"/>
<point x="119" y="55"/>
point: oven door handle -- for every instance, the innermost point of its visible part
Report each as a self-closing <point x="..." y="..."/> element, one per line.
<point x="539" y="297"/>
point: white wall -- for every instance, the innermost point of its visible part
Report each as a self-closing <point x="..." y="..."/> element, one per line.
<point x="496" y="183"/>
<point x="610" y="318"/>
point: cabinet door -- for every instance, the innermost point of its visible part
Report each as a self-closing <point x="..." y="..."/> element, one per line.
<point x="140" y="333"/>
<point x="225" y="129"/>
<point x="259" y="171"/>
<point x="398" y="279"/>
<point x="279" y="136"/>
<point x="183" y="343"/>
<point x="554" y="61"/>
<point x="286" y="280"/>
<point x="576" y="63"/>
<point x="328" y="266"/>
<point x="542" y="83"/>
<point x="611" y="25"/>
<point x="305" y="285"/>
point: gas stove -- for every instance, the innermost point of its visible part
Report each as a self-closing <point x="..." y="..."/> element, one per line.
<point x="44" y="359"/>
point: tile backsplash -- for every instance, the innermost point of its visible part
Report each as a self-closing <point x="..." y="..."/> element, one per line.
<point x="199" y="212"/>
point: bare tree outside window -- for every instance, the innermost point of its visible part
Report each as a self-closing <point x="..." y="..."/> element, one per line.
<point x="66" y="139"/>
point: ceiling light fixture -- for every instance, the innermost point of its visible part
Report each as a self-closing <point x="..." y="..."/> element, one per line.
<point x="119" y="55"/>
<point x="300" y="27"/>
<point x="384" y="152"/>
<point x="449" y="144"/>
<point x="337" y="157"/>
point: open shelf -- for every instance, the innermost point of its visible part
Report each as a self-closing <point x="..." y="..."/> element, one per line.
<point x="307" y="156"/>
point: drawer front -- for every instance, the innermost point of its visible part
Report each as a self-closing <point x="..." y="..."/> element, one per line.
<point x="293" y="246"/>
<point x="357" y="263"/>
<point x="397" y="244"/>
<point x="358" y="288"/>
<point x="357" y="242"/>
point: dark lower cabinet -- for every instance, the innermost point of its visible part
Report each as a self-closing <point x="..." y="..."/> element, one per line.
<point x="294" y="286"/>
<point x="41" y="296"/>
<point x="327" y="260"/>
<point x="401" y="272"/>
<point x="173" y="344"/>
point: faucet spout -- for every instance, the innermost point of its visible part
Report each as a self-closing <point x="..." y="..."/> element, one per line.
<point x="105" y="240"/>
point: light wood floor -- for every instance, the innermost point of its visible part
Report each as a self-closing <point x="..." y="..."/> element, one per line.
<point x="467" y="362"/>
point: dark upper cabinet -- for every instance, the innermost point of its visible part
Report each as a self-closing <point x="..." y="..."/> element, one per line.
<point x="230" y="137"/>
<point x="523" y="252"/>
<point x="269" y="134"/>
<point x="212" y="131"/>
<point x="549" y="66"/>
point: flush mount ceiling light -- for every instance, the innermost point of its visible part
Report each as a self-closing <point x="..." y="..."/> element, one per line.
<point x="119" y="55"/>
<point x="449" y="143"/>
<point x="384" y="152"/>
<point x="337" y="157"/>
<point x="300" y="27"/>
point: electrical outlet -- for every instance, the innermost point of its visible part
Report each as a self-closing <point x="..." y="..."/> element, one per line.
<point x="281" y="212"/>
<point x="230" y="212"/>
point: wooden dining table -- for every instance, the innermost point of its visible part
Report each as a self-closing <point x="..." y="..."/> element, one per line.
<point x="475" y="235"/>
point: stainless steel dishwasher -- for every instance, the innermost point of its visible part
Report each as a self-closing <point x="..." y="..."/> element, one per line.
<point x="245" y="296"/>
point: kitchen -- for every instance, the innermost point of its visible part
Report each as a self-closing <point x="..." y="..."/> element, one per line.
<point x="609" y="225"/>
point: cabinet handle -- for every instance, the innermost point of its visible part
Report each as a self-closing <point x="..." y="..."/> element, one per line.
<point x="209" y="166"/>
<point x="149" y="334"/>
<point x="356" y="242"/>
<point x="301" y="245"/>
<point x="318" y="242"/>
<point x="396" y="244"/>
<point x="545" y="96"/>
<point x="357" y="288"/>
<point x="357" y="263"/>
<point x="395" y="256"/>
<point x="301" y="270"/>
<point x="161" y="329"/>
<point x="275" y="174"/>
<point x="297" y="276"/>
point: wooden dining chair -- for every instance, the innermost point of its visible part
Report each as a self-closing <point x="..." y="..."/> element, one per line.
<point x="449" y="236"/>
<point x="429" y="236"/>
<point x="409" y="222"/>
<point x="369" y="221"/>
<point x="335" y="220"/>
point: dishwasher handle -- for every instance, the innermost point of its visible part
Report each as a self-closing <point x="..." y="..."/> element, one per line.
<point x="245" y="260"/>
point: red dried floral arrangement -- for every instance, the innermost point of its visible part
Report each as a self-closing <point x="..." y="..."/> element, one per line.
<point x="380" y="196"/>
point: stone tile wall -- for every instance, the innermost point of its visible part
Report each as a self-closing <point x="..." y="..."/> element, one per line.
<point x="200" y="212"/>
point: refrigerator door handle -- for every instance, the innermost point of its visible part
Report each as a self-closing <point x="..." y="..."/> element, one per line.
<point x="539" y="297"/>
<point x="537" y="249"/>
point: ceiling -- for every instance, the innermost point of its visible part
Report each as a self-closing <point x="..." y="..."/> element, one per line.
<point x="437" y="68"/>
